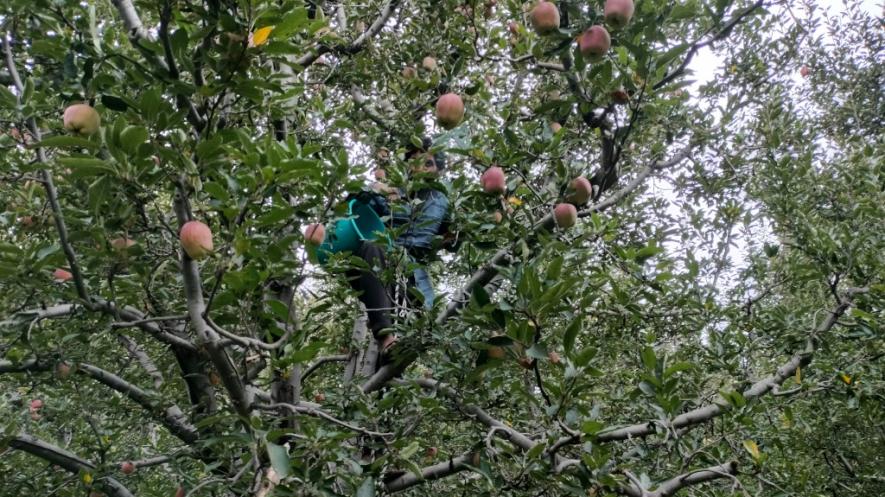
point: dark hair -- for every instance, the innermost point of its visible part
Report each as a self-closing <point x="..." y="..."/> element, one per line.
<point x="426" y="144"/>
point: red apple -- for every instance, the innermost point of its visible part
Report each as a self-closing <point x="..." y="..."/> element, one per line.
<point x="409" y="72"/>
<point x="319" y="397"/>
<point x="180" y="492"/>
<point x="526" y="363"/>
<point x="554" y="357"/>
<point x="493" y="181"/>
<point x="565" y="215"/>
<point x="555" y="127"/>
<point x="594" y="43"/>
<point x="27" y="222"/>
<point x="432" y="452"/>
<point x="127" y="468"/>
<point x="497" y="217"/>
<point x="513" y="27"/>
<point x="804" y="71"/>
<point x="545" y="17"/>
<point x="196" y="239"/>
<point x="380" y="174"/>
<point x="315" y="233"/>
<point x="449" y="110"/>
<point x="61" y="275"/>
<point x="618" y="12"/>
<point x="81" y="119"/>
<point x="580" y="190"/>
<point x="428" y="63"/>
<point x="35" y="405"/>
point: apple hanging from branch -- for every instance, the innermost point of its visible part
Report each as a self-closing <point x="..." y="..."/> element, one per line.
<point x="196" y="239"/>
<point x="594" y="43"/>
<point x="449" y="110"/>
<point x="81" y="119"/>
<point x="493" y="181"/>
<point x="566" y="215"/>
<point x="618" y="12"/>
<point x="545" y="18"/>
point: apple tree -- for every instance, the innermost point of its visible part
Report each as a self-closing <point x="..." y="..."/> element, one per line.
<point x="666" y="277"/>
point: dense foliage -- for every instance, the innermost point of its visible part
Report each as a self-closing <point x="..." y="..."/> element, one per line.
<point x="713" y="324"/>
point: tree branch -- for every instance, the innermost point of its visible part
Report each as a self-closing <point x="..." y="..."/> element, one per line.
<point x="359" y="43"/>
<point x="172" y="417"/>
<point x="722" y="33"/>
<point x="673" y="485"/>
<point x="196" y="307"/>
<point x="66" y="460"/>
<point x="430" y="473"/>
<point x="323" y="360"/>
<point x="48" y="184"/>
<point x="758" y="389"/>
<point x="314" y="410"/>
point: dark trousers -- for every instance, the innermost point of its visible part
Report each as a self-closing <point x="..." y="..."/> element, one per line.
<point x="374" y="294"/>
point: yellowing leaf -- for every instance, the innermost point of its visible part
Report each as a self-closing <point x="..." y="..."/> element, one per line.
<point x="87" y="478"/>
<point x="514" y="201"/>
<point x="753" y="449"/>
<point x="798" y="375"/>
<point x="259" y="37"/>
<point x="845" y="378"/>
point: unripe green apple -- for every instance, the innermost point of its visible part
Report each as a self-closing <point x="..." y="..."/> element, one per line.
<point x="81" y="119"/>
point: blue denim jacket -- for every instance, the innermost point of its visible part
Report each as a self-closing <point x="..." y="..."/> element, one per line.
<point x="423" y="215"/>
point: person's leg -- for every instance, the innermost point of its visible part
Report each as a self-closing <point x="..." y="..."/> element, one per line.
<point x="374" y="294"/>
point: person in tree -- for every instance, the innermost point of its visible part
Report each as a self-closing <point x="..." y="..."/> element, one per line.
<point x="417" y="217"/>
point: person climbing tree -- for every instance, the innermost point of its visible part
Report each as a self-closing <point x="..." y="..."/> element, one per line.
<point x="416" y="215"/>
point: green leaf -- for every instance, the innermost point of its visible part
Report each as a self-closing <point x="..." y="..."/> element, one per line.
<point x="647" y="252"/>
<point x="648" y="358"/>
<point x="537" y="351"/>
<point x="568" y="340"/>
<point x="675" y="368"/>
<point x="592" y="427"/>
<point x="279" y="459"/>
<point x="555" y="269"/>
<point x="367" y="489"/>
<point x="64" y="141"/>
<point x="7" y="98"/>
<point x="87" y="165"/>
<point x="535" y="451"/>
<point x="114" y="103"/>
<point x="132" y="137"/>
